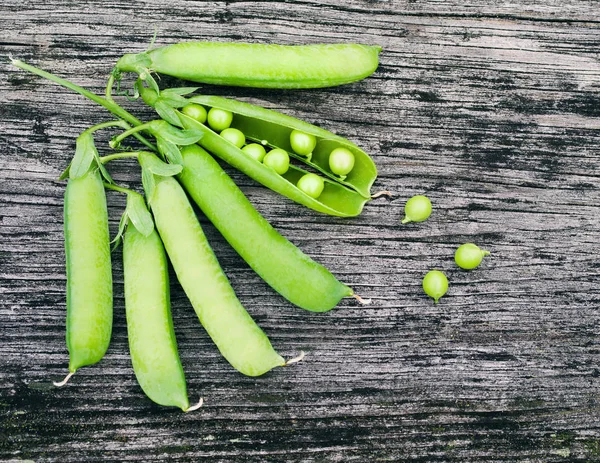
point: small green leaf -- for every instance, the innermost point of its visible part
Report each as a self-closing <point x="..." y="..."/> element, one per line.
<point x="103" y="170"/>
<point x="188" y="137"/>
<point x="149" y="183"/>
<point x="85" y="152"/>
<point x="166" y="112"/>
<point x="169" y="150"/>
<point x="65" y="173"/>
<point x="179" y="91"/>
<point x="139" y="214"/>
<point x="173" y="100"/>
<point x="174" y="134"/>
<point x="158" y="167"/>
<point x="122" y="225"/>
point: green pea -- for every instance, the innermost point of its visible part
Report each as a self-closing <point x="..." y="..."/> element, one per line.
<point x="235" y="136"/>
<point x="289" y="271"/>
<point x="278" y="160"/>
<point x="311" y="184"/>
<point x="435" y="284"/>
<point x="255" y="150"/>
<point x="195" y="111"/>
<point x="302" y="143"/>
<point x="257" y="65"/>
<point x="341" y="161"/>
<point x="89" y="271"/>
<point x="417" y="209"/>
<point x="469" y="256"/>
<point x="219" y="119"/>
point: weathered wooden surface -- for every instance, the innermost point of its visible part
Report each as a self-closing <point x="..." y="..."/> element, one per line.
<point x="493" y="111"/>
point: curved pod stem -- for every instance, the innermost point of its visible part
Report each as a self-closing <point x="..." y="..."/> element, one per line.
<point x="282" y="265"/>
<point x="89" y="273"/>
<point x="239" y="339"/>
<point x="150" y="332"/>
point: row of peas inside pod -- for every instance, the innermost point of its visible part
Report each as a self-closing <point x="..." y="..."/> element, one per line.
<point x="341" y="174"/>
<point x="340" y="159"/>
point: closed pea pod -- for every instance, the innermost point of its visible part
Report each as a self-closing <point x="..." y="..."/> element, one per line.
<point x="89" y="273"/>
<point x="87" y="249"/>
<point x="150" y="332"/>
<point x="89" y="270"/>
<point x="232" y="329"/>
<point x="152" y="342"/>
<point x="256" y="65"/>
<point x="282" y="265"/>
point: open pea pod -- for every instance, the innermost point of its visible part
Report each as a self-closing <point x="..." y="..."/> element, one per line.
<point x="335" y="199"/>
<point x="260" y="124"/>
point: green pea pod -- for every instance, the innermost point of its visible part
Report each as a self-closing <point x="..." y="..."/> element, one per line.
<point x="152" y="342"/>
<point x="239" y="339"/>
<point x="89" y="274"/>
<point x="256" y="65"/>
<point x="282" y="265"/>
<point x="275" y="128"/>
<point x="335" y="199"/>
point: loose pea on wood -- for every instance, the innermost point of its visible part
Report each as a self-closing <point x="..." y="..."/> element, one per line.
<point x="468" y="256"/>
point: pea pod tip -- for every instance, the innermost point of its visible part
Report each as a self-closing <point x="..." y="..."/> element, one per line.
<point x="195" y="407"/>
<point x="363" y="301"/>
<point x="295" y="359"/>
<point x="64" y="381"/>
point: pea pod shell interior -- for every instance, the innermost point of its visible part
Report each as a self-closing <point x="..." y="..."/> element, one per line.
<point x="335" y="200"/>
<point x="89" y="270"/>
<point x="152" y="343"/>
<point x="263" y="124"/>
<point x="239" y="339"/>
<point x="266" y="65"/>
<point x="282" y="265"/>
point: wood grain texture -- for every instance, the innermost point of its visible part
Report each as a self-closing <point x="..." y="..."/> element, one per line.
<point x="491" y="110"/>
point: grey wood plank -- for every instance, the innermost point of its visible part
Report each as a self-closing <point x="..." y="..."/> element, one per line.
<point x="491" y="110"/>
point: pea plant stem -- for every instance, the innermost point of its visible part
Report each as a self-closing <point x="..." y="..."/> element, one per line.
<point x="120" y="189"/>
<point x="123" y="155"/>
<point x="105" y="125"/>
<point x="131" y="131"/>
<point x="106" y="103"/>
